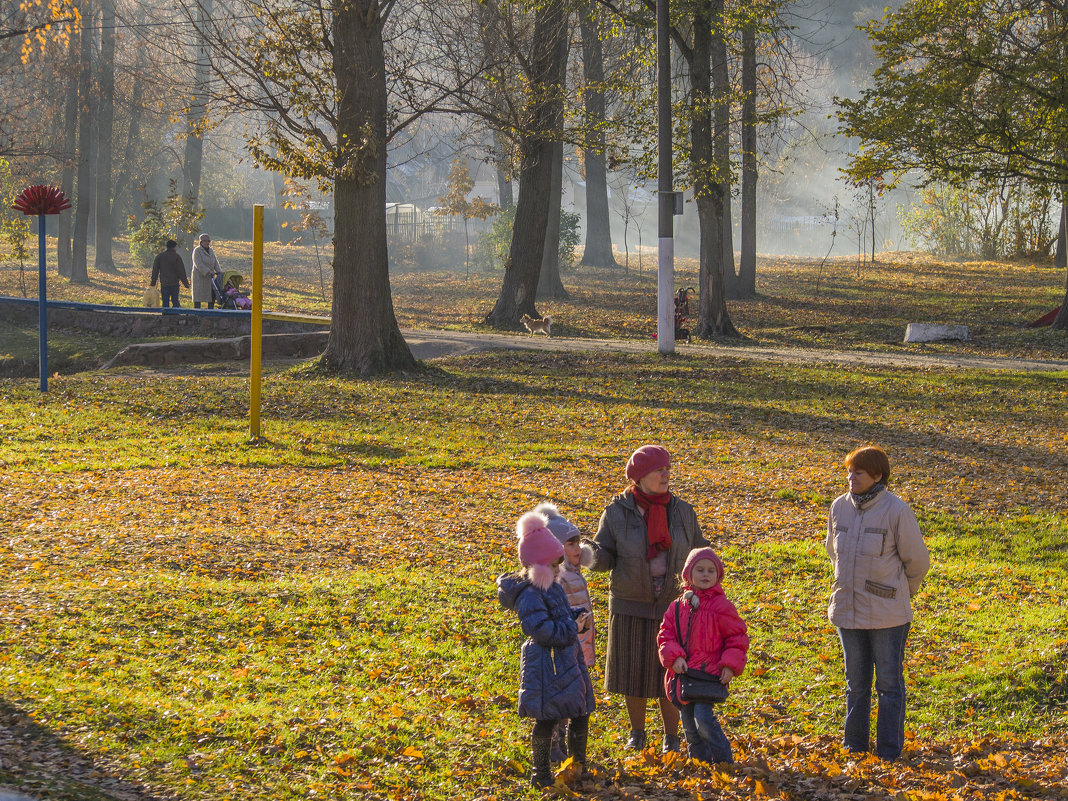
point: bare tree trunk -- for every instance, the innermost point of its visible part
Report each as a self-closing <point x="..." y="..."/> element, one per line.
<point x="105" y="120"/>
<point x="90" y="188"/>
<point x="871" y="212"/>
<point x="364" y="336"/>
<point x="125" y="200"/>
<point x="504" y="190"/>
<point x="549" y="283"/>
<point x="721" y="111"/>
<point x="193" y="161"/>
<point x="79" y="272"/>
<point x="747" y="262"/>
<point x="504" y="178"/>
<point x="713" y="319"/>
<point x="1061" y="322"/>
<point x="598" y="250"/>
<point x="278" y="183"/>
<point x="64" y="255"/>
<point x="1060" y="261"/>
<point x="523" y="267"/>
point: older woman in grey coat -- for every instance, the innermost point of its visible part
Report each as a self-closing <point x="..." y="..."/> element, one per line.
<point x="643" y="538"/>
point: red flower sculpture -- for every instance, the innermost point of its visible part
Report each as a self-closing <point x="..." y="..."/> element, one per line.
<point x="41" y="199"/>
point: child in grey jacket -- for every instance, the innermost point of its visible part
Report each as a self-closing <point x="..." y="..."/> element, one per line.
<point x="578" y="553"/>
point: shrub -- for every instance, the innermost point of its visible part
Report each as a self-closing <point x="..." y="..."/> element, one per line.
<point x="150" y="237"/>
<point x="491" y="249"/>
<point x="176" y="217"/>
<point x="569" y="238"/>
<point x="1011" y="219"/>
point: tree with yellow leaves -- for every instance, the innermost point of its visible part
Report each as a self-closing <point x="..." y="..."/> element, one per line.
<point x="39" y="22"/>
<point x="455" y="202"/>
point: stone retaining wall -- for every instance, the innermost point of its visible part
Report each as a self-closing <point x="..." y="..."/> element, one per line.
<point x="275" y="346"/>
<point x="138" y="323"/>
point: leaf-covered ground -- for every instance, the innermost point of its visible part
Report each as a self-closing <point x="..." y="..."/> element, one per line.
<point x="801" y="302"/>
<point x="188" y="615"/>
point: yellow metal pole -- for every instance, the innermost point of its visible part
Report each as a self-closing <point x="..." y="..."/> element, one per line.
<point x="257" y="320"/>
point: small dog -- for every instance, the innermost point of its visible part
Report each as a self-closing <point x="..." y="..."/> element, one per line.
<point x="151" y="299"/>
<point x="681" y="334"/>
<point x="544" y="325"/>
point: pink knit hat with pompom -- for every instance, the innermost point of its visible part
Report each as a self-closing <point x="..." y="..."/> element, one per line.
<point x="539" y="548"/>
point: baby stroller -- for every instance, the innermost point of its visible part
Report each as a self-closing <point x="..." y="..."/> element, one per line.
<point x="682" y="311"/>
<point x="228" y="292"/>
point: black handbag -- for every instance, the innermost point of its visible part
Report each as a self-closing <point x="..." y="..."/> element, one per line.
<point x="694" y="686"/>
<point x="698" y="687"/>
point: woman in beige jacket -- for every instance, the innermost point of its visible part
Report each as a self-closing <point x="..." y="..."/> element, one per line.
<point x="879" y="559"/>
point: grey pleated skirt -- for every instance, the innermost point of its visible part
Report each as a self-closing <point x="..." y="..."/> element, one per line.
<point x="632" y="666"/>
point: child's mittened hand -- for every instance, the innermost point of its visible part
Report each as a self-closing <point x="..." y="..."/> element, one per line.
<point x="726" y="675"/>
<point x="680" y="665"/>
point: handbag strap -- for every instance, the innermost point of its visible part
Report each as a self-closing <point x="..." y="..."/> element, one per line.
<point x="678" y="628"/>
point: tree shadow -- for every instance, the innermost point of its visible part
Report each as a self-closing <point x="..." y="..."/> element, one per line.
<point x="39" y="763"/>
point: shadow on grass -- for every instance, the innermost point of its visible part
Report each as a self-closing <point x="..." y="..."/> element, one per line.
<point x="36" y="761"/>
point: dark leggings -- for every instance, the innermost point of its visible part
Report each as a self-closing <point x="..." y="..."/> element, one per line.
<point x="544" y="728"/>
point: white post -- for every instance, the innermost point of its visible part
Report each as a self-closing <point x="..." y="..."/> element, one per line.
<point x="665" y="253"/>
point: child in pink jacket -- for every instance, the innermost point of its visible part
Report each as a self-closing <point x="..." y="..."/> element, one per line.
<point x="710" y="636"/>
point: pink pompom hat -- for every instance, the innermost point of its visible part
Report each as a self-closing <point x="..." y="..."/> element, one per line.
<point x="539" y="549"/>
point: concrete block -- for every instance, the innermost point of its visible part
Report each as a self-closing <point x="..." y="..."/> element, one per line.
<point x="934" y="332"/>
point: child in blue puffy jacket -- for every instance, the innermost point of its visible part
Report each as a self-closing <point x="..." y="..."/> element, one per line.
<point x="553" y="681"/>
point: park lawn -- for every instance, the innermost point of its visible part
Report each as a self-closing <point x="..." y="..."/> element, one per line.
<point x="313" y="615"/>
<point x="799" y="302"/>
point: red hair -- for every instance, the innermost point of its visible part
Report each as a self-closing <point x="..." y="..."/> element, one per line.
<point x="871" y="459"/>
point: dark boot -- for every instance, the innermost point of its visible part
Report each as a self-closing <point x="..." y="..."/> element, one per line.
<point x="542" y="775"/>
<point x="637" y="740"/>
<point x="558" y="752"/>
<point x="576" y="742"/>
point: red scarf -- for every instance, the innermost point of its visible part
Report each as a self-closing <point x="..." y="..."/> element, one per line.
<point x="656" y="522"/>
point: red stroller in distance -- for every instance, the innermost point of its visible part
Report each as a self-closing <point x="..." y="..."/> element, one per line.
<point x="682" y="311"/>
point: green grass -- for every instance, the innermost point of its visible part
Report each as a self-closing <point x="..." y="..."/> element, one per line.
<point x="402" y="680"/>
<point x="866" y="309"/>
<point x="313" y="616"/>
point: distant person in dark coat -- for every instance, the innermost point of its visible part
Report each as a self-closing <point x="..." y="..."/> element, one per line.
<point x="169" y="269"/>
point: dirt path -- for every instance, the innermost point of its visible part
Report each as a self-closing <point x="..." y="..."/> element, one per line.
<point x="433" y="344"/>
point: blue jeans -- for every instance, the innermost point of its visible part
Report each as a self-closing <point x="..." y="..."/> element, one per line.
<point x="881" y="650"/>
<point x="169" y="296"/>
<point x="704" y="736"/>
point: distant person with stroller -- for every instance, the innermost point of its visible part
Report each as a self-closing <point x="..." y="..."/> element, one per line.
<point x="169" y="269"/>
<point x="205" y="268"/>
